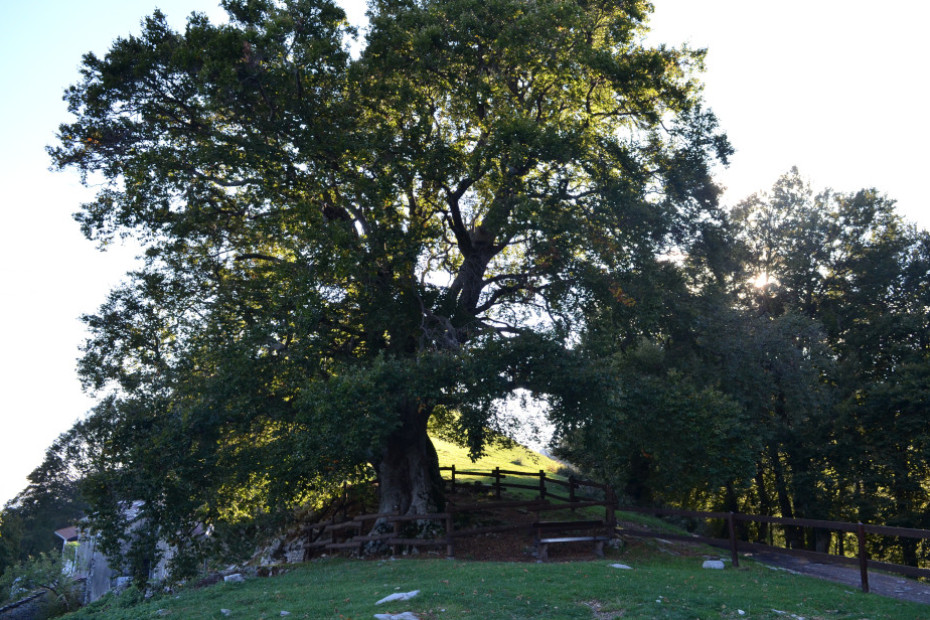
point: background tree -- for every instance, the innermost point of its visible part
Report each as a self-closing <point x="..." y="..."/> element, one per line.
<point x="790" y="344"/>
<point x="49" y="502"/>
<point x="849" y="263"/>
<point x="337" y="249"/>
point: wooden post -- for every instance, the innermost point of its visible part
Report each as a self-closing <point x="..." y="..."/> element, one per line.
<point x="450" y="544"/>
<point x="497" y="482"/>
<point x="611" y="509"/>
<point x="733" y="550"/>
<point x="542" y="484"/>
<point x="452" y="491"/>
<point x="345" y="502"/>
<point x="395" y="547"/>
<point x="571" y="491"/>
<point x="863" y="557"/>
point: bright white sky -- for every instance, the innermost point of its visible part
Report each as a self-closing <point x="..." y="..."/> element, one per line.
<point x="836" y="87"/>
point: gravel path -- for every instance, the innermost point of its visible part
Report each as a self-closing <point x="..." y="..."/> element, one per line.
<point x="893" y="586"/>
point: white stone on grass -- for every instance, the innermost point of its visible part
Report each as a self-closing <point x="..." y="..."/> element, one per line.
<point x="399" y="596"/>
<point x="715" y="564"/>
<point x="234" y="578"/>
<point x="407" y="615"/>
<point x="622" y="566"/>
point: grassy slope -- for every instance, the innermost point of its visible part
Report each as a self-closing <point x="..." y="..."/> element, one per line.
<point x="659" y="586"/>
<point x="516" y="458"/>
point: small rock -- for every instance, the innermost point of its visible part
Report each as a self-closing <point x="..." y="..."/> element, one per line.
<point x="285" y="613"/>
<point x="162" y="612"/>
<point x="714" y="564"/>
<point x="234" y="578"/>
<point x="622" y="566"/>
<point x="407" y="615"/>
<point x="398" y="596"/>
<point x="741" y="612"/>
<point x="225" y="612"/>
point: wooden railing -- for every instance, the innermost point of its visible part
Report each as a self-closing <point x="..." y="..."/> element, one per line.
<point x="575" y="493"/>
<point x="348" y="533"/>
<point x="541" y="482"/>
<point x="735" y="545"/>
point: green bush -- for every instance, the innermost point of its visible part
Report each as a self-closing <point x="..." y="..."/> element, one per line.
<point x="41" y="574"/>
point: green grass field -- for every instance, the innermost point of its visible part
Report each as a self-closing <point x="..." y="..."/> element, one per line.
<point x="660" y="584"/>
<point x="657" y="587"/>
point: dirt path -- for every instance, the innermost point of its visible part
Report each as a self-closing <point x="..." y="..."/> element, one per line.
<point x="893" y="586"/>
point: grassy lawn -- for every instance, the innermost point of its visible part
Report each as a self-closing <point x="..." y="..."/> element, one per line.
<point x="659" y="585"/>
<point x="656" y="587"/>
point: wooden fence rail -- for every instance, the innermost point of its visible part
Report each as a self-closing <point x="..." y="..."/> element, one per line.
<point x="735" y="545"/>
<point x="542" y="486"/>
<point x="581" y="494"/>
<point x="348" y="534"/>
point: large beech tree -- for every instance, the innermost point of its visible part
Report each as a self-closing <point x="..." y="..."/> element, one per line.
<point x="340" y="250"/>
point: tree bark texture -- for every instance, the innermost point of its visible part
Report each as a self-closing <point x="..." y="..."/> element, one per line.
<point x="408" y="471"/>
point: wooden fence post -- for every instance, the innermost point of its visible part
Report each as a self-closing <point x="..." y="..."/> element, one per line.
<point x="863" y="557"/>
<point x="452" y="491"/>
<point x="395" y="547"/>
<point x="345" y="501"/>
<point x="497" y="482"/>
<point x="542" y="484"/>
<point x="450" y="548"/>
<point x="611" y="508"/>
<point x="733" y="550"/>
<point x="571" y="491"/>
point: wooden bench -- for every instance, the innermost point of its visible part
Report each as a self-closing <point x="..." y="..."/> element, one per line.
<point x="542" y="545"/>
<point x="566" y="532"/>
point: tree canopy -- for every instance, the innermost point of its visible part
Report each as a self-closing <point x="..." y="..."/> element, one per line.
<point x="340" y="249"/>
<point x="790" y="367"/>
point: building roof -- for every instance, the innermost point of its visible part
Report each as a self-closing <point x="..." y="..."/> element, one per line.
<point x="67" y="534"/>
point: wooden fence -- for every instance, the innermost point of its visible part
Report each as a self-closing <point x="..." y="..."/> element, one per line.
<point x="735" y="545"/>
<point x="576" y="493"/>
<point x="573" y="494"/>
<point x="599" y="494"/>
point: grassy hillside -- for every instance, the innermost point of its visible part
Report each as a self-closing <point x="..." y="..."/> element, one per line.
<point x="665" y="581"/>
<point x="658" y="586"/>
<point x="518" y="458"/>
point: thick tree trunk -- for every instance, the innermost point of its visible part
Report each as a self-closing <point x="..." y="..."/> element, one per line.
<point x="637" y="485"/>
<point x="408" y="472"/>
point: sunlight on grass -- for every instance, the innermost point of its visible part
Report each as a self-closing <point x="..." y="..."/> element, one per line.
<point x="518" y="458"/>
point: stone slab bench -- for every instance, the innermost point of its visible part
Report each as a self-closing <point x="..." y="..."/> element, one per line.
<point x="568" y="525"/>
<point x="542" y="545"/>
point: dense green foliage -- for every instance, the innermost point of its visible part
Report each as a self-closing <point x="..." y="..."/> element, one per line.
<point x="341" y="250"/>
<point x="497" y="195"/>
<point x="41" y="574"/>
<point x="792" y="372"/>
